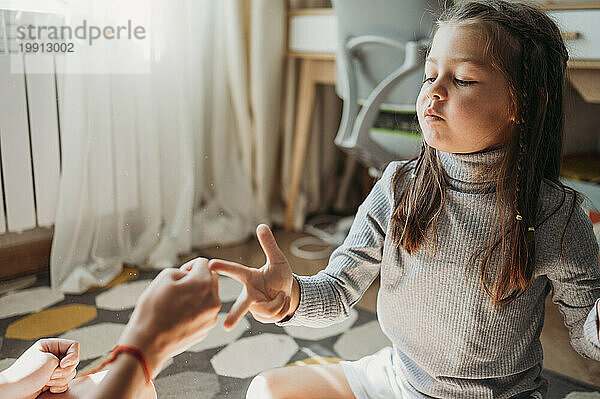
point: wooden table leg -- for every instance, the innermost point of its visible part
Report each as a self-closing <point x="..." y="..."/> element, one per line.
<point x="304" y="107"/>
<point x="312" y="72"/>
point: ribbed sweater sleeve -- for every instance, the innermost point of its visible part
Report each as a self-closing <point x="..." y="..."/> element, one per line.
<point x="326" y="298"/>
<point x="576" y="282"/>
<point x="590" y="328"/>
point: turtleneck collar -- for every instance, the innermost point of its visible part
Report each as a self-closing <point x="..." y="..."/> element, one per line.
<point x="472" y="172"/>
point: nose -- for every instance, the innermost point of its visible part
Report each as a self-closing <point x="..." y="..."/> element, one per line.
<point x="437" y="91"/>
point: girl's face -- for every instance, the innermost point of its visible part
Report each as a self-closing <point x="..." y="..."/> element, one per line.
<point x="464" y="103"/>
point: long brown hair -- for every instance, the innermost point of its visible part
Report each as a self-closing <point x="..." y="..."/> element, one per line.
<point x="527" y="48"/>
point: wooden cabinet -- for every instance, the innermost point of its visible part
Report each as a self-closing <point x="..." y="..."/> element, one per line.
<point x="580" y="26"/>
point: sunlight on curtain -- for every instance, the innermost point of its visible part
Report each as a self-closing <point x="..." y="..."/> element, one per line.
<point x="174" y="156"/>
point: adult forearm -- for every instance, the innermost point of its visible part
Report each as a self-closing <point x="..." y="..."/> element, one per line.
<point x="123" y="379"/>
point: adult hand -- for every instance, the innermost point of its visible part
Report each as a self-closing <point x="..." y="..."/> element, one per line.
<point x="269" y="293"/>
<point x="49" y="364"/>
<point x="177" y="309"/>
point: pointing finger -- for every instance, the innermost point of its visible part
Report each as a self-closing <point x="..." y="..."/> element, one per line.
<point x="268" y="244"/>
<point x="231" y="269"/>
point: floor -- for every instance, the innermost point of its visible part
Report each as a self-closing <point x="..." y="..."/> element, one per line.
<point x="210" y="369"/>
<point x="559" y="356"/>
<point x="97" y="318"/>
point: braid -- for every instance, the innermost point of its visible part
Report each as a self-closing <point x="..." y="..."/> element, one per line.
<point x="520" y="156"/>
<point x="523" y="128"/>
<point x="524" y="244"/>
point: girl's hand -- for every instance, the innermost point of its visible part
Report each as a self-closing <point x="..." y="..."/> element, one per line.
<point x="270" y="293"/>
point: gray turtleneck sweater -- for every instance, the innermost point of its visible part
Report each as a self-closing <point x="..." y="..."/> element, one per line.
<point x="449" y="339"/>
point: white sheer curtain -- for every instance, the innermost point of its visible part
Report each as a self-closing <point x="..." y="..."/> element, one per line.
<point x="155" y="163"/>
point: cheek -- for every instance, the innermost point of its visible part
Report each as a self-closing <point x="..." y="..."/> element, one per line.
<point x="491" y="118"/>
<point x="420" y="106"/>
<point x="420" y="101"/>
<point x="479" y="112"/>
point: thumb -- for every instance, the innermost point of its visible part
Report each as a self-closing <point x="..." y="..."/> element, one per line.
<point x="269" y="245"/>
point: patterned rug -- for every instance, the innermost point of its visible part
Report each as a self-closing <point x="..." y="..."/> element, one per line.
<point x="29" y="310"/>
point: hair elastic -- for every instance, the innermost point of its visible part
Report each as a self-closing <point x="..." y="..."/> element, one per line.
<point x="519" y="217"/>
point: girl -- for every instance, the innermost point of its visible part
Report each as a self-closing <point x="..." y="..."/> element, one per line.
<point x="467" y="239"/>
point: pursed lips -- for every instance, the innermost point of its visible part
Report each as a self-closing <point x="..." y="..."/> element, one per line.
<point x="431" y="115"/>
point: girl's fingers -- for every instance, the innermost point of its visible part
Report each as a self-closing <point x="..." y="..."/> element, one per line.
<point x="269" y="245"/>
<point x="273" y="318"/>
<point x="231" y="269"/>
<point x="260" y="318"/>
<point x="284" y="310"/>
<point x="267" y="309"/>
<point x="238" y="310"/>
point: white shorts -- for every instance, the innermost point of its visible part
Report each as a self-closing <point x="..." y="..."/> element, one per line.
<point x="373" y="377"/>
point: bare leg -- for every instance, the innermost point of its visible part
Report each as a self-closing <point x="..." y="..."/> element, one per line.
<point x="314" y="381"/>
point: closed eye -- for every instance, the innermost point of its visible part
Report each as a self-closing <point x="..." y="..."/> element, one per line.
<point x="464" y="82"/>
<point x="459" y="82"/>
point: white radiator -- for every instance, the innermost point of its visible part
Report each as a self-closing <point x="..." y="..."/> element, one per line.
<point x="29" y="135"/>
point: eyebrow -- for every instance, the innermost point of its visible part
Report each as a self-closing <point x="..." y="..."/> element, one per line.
<point x="457" y="60"/>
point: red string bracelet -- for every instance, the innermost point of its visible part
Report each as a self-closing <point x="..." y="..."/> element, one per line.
<point x="132" y="350"/>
